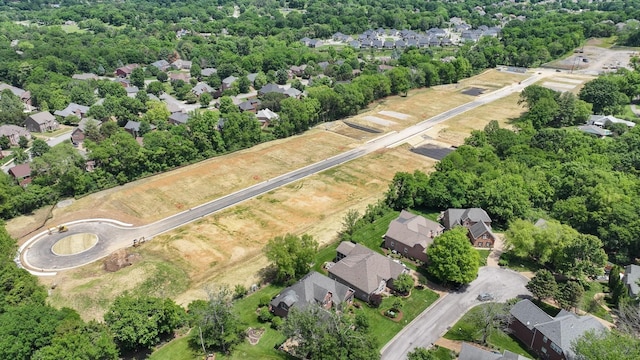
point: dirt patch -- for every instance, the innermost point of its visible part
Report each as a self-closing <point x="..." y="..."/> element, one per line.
<point x="254" y="335"/>
<point x="398" y="318"/>
<point x="74" y="244"/>
<point x="120" y="259"/>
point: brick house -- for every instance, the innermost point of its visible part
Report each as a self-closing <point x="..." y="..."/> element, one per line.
<point x="476" y="220"/>
<point x="41" y="122"/>
<point x="410" y="235"/>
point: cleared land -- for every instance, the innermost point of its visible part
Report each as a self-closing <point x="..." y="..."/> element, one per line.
<point x="74" y="244"/>
<point x="226" y="248"/>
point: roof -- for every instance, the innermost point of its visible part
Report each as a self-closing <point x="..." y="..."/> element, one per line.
<point x="179" y="117"/>
<point x="248" y="105"/>
<point x="365" y="269"/>
<point x="478" y="229"/>
<point x="42" y="117"/>
<point x="201" y="88"/>
<point x="208" y="71"/>
<point x="412" y="230"/>
<point x="270" y="88"/>
<point x="229" y="80"/>
<point x="312" y="288"/>
<point x="601" y="120"/>
<point x="594" y="130"/>
<point x="631" y="278"/>
<point x="266" y="114"/>
<point x="529" y="314"/>
<point x="72" y="109"/>
<point x="20" y="171"/>
<point x="132" y="125"/>
<point x="160" y="63"/>
<point x="8" y="130"/>
<point x="85" y="76"/>
<point x="252" y="77"/>
<point x="16" y="91"/>
<point x="292" y="92"/>
<point x="566" y="327"/>
<point x="470" y="352"/>
<point x="82" y="125"/>
<point x="453" y="217"/>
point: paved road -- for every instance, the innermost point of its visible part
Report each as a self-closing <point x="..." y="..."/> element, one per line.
<point x="429" y="326"/>
<point x="38" y="255"/>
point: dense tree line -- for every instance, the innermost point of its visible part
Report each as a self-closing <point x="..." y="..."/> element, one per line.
<point x="587" y="183"/>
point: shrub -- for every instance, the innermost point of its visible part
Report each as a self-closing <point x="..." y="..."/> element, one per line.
<point x="239" y="291"/>
<point x="276" y="322"/>
<point x="265" y="315"/>
<point x="264" y="301"/>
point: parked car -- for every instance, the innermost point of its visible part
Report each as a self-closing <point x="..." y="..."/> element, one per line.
<point x="485" y="297"/>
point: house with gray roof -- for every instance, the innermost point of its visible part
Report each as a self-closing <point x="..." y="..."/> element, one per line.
<point x="208" y="71"/>
<point x="292" y="92"/>
<point x="602" y="120"/>
<point x="314" y="289"/>
<point x="13" y="133"/>
<point x="249" y="105"/>
<point x="161" y="65"/>
<point x="595" y="130"/>
<point x="266" y="116"/>
<point x="270" y="88"/>
<point x="631" y="279"/>
<point x="364" y="270"/>
<point x="252" y="77"/>
<point x="471" y="352"/>
<point x="228" y="82"/>
<point x="80" y="133"/>
<point x="181" y="64"/>
<point x="476" y="220"/>
<point x="41" y="122"/>
<point x="179" y="118"/>
<point x="202" y="88"/>
<point x="550" y="337"/>
<point x="73" y="109"/>
<point x="411" y="234"/>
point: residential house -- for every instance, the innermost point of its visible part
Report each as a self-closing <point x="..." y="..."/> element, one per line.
<point x="595" y="130"/>
<point x="269" y="88"/>
<point x="364" y="270"/>
<point x="179" y="118"/>
<point x="266" y="117"/>
<point x="132" y="91"/>
<point x="41" y="122"/>
<point x="162" y="65"/>
<point x="73" y="109"/>
<point x="250" y="105"/>
<point x="202" y="88"/>
<point x="181" y="64"/>
<point x="549" y="337"/>
<point x="631" y="279"/>
<point x="252" y="78"/>
<point x="315" y="43"/>
<point x="126" y="70"/>
<point x="297" y="70"/>
<point x="383" y="68"/>
<point x="13" y="132"/>
<point x="24" y="95"/>
<point x="472" y="352"/>
<point x="133" y="127"/>
<point x="354" y="44"/>
<point x="208" y="72"/>
<point x="314" y="289"/>
<point x="292" y="93"/>
<point x="228" y="82"/>
<point x="80" y="133"/>
<point x="179" y="76"/>
<point x="21" y="173"/>
<point x="476" y="220"/>
<point x="85" y="76"/>
<point x="305" y="40"/>
<point x="411" y="234"/>
<point x="601" y="121"/>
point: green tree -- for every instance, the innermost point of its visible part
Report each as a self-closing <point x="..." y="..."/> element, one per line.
<point x="282" y="76"/>
<point x="569" y="295"/>
<point x="543" y="285"/>
<point x="39" y="147"/>
<point x="195" y="71"/>
<point x="489" y="318"/>
<point x="216" y="326"/>
<point x="205" y="100"/>
<point x="403" y="283"/>
<point x="11" y="108"/>
<point x="139" y="322"/>
<point x="244" y="85"/>
<point x="5" y="143"/>
<point x="582" y="257"/>
<point x="23" y="142"/>
<point x="156" y="88"/>
<point x="424" y="354"/>
<point x="604" y="94"/>
<point x="349" y="224"/>
<point x="606" y="345"/>
<point x="291" y="255"/>
<point x="162" y="76"/>
<point x="77" y="340"/>
<point x="452" y="259"/>
<point x="20" y="156"/>
<point x="402" y="191"/>
<point x="400" y="80"/>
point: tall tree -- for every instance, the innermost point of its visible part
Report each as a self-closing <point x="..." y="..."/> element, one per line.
<point x="606" y="345"/>
<point x="543" y="285"/>
<point x="291" y="255"/>
<point x="216" y="326"/>
<point x="452" y="259"/>
<point x="137" y="78"/>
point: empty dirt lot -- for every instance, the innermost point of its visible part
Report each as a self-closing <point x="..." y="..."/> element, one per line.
<point x="225" y="248"/>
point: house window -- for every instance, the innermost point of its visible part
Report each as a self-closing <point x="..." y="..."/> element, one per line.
<point x="556" y="348"/>
<point x="544" y="350"/>
<point x="406" y="250"/>
<point x="479" y="244"/>
<point x="393" y="244"/>
<point x="544" y="339"/>
<point x="488" y="244"/>
<point x="485" y="236"/>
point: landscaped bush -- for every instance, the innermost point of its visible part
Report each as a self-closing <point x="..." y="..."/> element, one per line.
<point x="276" y="322"/>
<point x="265" y="315"/>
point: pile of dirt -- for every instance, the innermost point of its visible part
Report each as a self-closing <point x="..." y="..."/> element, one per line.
<point x="120" y="259"/>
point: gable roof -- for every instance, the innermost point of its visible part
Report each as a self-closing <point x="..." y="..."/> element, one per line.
<point x="82" y="125"/>
<point x="313" y="288"/>
<point x="412" y="230"/>
<point x="16" y="91"/>
<point x="365" y="269"/>
<point x="594" y="130"/>
<point x="42" y="117"/>
<point x="179" y="117"/>
<point x="566" y="327"/>
<point x="478" y="229"/>
<point x="631" y="278"/>
<point x="160" y="64"/>
<point x="229" y="80"/>
<point x="529" y="314"/>
<point x="20" y="171"/>
<point x="268" y="88"/>
<point x="470" y="352"/>
<point x="292" y="92"/>
<point x="208" y="71"/>
<point x="201" y="88"/>
<point x="453" y="217"/>
<point x="8" y="130"/>
<point x="601" y="120"/>
<point x="72" y="109"/>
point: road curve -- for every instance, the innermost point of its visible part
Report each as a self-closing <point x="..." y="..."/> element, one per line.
<point x="38" y="257"/>
<point x="432" y="323"/>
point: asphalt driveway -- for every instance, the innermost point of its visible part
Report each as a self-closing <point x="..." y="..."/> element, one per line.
<point x="429" y="326"/>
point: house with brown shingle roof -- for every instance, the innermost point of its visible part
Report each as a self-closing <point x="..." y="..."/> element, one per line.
<point x="41" y="122"/>
<point x="22" y="174"/>
<point x="13" y="132"/>
<point x="476" y="220"/>
<point x="411" y="234"/>
<point x="364" y="270"/>
<point x="314" y="289"/>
